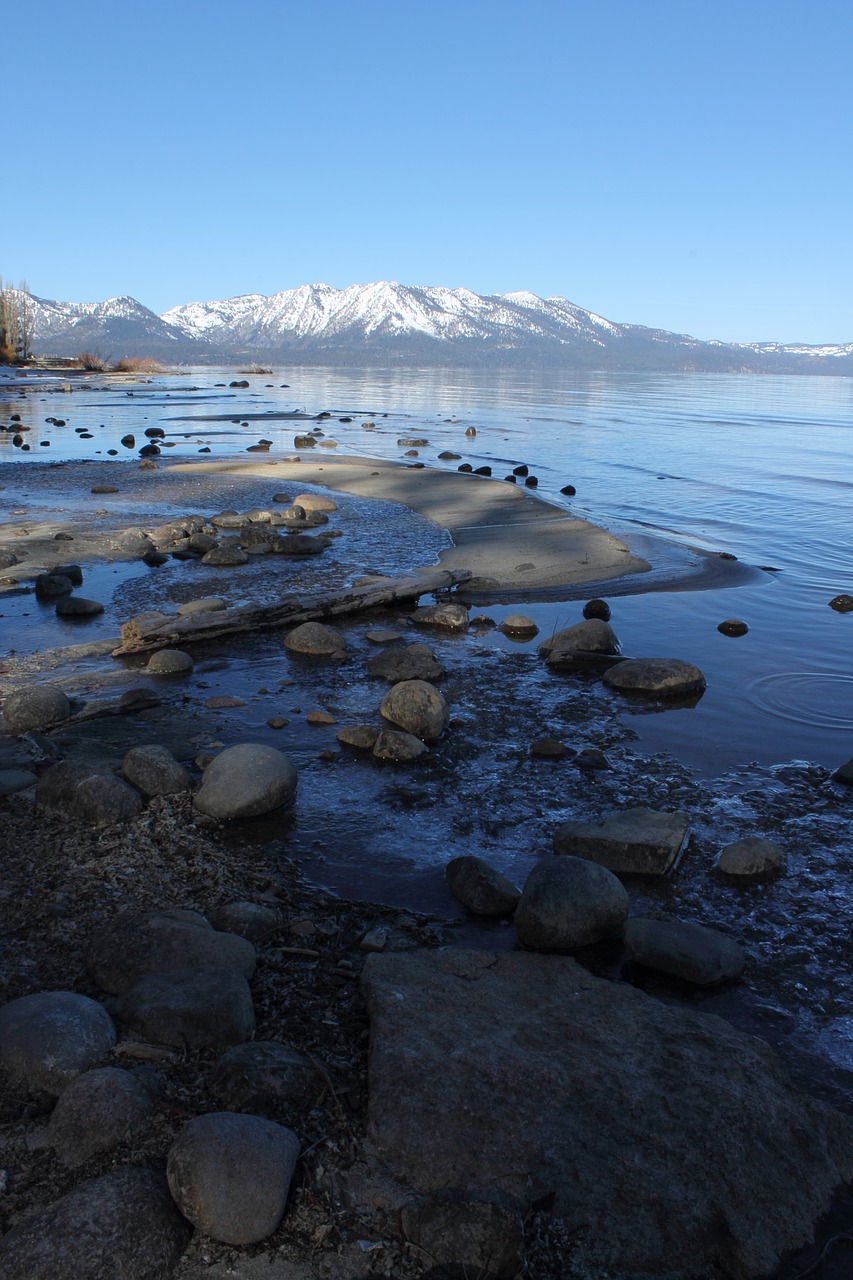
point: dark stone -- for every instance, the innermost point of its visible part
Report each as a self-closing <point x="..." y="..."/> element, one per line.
<point x="48" y="1038"/>
<point x="732" y="627"/>
<point x="689" y="951"/>
<point x="597" y="609"/>
<point x="136" y="943"/>
<point x="86" y="793"/>
<point x="568" y="903"/>
<point x="99" y="1110"/>
<point x="264" y="1077"/>
<point x="480" y="888"/>
<point x="198" y="1008"/>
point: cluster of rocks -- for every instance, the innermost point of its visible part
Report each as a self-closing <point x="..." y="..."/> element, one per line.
<point x="577" y="898"/>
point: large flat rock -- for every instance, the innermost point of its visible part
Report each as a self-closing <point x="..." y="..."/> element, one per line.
<point x="670" y="1142"/>
<point x="634" y="841"/>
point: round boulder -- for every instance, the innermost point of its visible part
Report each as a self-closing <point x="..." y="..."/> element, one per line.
<point x="753" y="858"/>
<point x="689" y="951"/>
<point x="191" y="1008"/>
<point x="732" y="627"/>
<point x="416" y="707"/>
<point x="407" y="662"/>
<point x="593" y="635"/>
<point x="136" y="943"/>
<point x="36" y="708"/>
<point x="98" y="1111"/>
<point x="480" y="888"/>
<point x="48" y="1038"/>
<point x="154" y="771"/>
<point x="519" y="626"/>
<point x="264" y="1076"/>
<point x="84" y="793"/>
<point x="245" y="781"/>
<point x="570" y="903"/>
<point x="230" y="1175"/>
<point x="661" y="677"/>
<point x="316" y="639"/>
<point x="596" y="608"/>
<point x="170" y="662"/>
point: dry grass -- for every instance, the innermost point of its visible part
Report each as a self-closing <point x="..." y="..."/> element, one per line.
<point x="255" y="368"/>
<point x="92" y="362"/>
<point x="137" y="364"/>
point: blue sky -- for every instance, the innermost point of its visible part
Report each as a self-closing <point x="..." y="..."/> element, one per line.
<point x="686" y="165"/>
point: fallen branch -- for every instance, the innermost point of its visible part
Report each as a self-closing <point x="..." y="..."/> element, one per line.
<point x="158" y="630"/>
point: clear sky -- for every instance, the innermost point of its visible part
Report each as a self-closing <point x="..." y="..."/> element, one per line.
<point x="685" y="164"/>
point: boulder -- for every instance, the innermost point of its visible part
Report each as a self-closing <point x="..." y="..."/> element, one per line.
<point x="263" y="1077"/>
<point x="689" y="951"/>
<point x="230" y="1175"/>
<point x="35" y="708"/>
<point x="634" y="841"/>
<point x="226" y="556"/>
<point x="394" y="744"/>
<point x="48" y="1038"/>
<point x="360" y="736"/>
<point x="316" y="639"/>
<point x="416" y="707"/>
<point x="453" y="617"/>
<point x="315" y="502"/>
<point x="190" y="1008"/>
<point x="750" y="859"/>
<point x="98" y="1111"/>
<point x="668" y="1143"/>
<point x="136" y="943"/>
<point x="86" y="793"/>
<point x="480" y="888"/>
<point x="408" y="662"/>
<point x="593" y="635"/>
<point x="205" y="604"/>
<point x="519" y="626"/>
<point x="245" y="781"/>
<point x="844" y="774"/>
<point x="170" y="662"/>
<point x="568" y="903"/>
<point x="300" y="544"/>
<point x="78" y="607"/>
<point x="548" y="749"/>
<point x="123" y="1224"/>
<point x="154" y="771"/>
<point x="53" y="584"/>
<point x="663" y="677"/>
<point x="248" y="919"/>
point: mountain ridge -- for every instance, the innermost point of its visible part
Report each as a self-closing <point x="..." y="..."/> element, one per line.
<point x="387" y="322"/>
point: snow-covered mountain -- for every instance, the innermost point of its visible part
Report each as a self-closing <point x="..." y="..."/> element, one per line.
<point x="390" y="323"/>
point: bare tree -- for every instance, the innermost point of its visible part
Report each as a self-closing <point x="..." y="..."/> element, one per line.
<point x="17" y="321"/>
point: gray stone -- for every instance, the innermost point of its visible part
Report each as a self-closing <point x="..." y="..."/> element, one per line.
<point x="453" y="617"/>
<point x="408" y="662"/>
<point x="548" y="749"/>
<point x="844" y="774"/>
<point x="518" y="625"/>
<point x="13" y="780"/>
<point x="634" y="841"/>
<point x="299" y="544"/>
<point x="36" y="708"/>
<point x="86" y="793"/>
<point x="316" y="639"/>
<point x="360" y="736"/>
<point x="664" y="677"/>
<point x="394" y="744"/>
<point x="480" y="888"/>
<point x="753" y="858"/>
<point x="199" y="1008"/>
<point x="476" y="1237"/>
<point x="593" y="635"/>
<point x="206" y="604"/>
<point x="568" y="903"/>
<point x="245" y="781"/>
<point x="99" y="1110"/>
<point x="230" y="1175"/>
<point x="154" y="771"/>
<point x="263" y="1077"/>
<point x="248" y="919"/>
<point x="78" y="607"/>
<point x="689" y="951"/>
<point x="315" y="502"/>
<point x="48" y="1038"/>
<point x="416" y="707"/>
<point x="136" y="943"/>
<point x="53" y="584"/>
<point x="670" y="1143"/>
<point x="170" y="662"/>
<point x="226" y="556"/>
<point x="124" y="1224"/>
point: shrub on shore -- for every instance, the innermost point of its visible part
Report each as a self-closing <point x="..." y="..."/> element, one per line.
<point x="137" y="364"/>
<point x="91" y="362"/>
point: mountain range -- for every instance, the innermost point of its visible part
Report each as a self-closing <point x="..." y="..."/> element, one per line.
<point x="392" y="324"/>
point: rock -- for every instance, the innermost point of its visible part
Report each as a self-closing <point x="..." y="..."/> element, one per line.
<point x="844" y="774"/>
<point x="591" y="758"/>
<point x="383" y="635"/>
<point x="265" y="1076"/>
<point x="207" y="604"/>
<point x="595" y="608"/>
<point x="635" y="841"/>
<point x="394" y="744"/>
<point x="666" y="677"/>
<point x="78" y="607"/>
<point x="408" y="662"/>
<point x="753" y="858"/>
<point x="248" y="919"/>
<point x="231" y="1174"/>
<point x="447" y="455"/>
<point x="123" y="1224"/>
<point x="568" y="903"/>
<point x="480" y="888"/>
<point x="453" y="617"/>
<point x="689" y="951"/>
<point x="320" y="717"/>
<point x="14" y="780"/>
<point x="245" y="781"/>
<point x="84" y="792"/>
<point x="593" y="635"/>
<point x="469" y="1237"/>
<point x="315" y="502"/>
<point x="170" y="662"/>
<point x="732" y="627"/>
<point x="190" y="1008"/>
<point x="548" y="749"/>
<point x="226" y="556"/>
<point x="518" y="624"/>
<point x="154" y="771"/>
<point x="53" y="584"/>
<point x="36" y="708"/>
<point x="415" y="442"/>
<point x="416" y="707"/>
<point x="72" y="571"/>
<point x="668" y="1143"/>
<point x="48" y="1038"/>
<point x="569" y="490"/>
<point x="361" y="736"/>
<point x="316" y="639"/>
<point x="299" y="544"/>
<point x="842" y="603"/>
<point x="7" y="559"/>
<point x="136" y="943"/>
<point x="99" y="1110"/>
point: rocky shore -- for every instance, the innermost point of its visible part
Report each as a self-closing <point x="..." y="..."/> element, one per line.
<point x="213" y="1067"/>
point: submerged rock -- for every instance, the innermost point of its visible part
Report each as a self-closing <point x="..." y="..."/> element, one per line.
<point x="665" y="677"/>
<point x="689" y="951"/>
<point x="635" y="841"/>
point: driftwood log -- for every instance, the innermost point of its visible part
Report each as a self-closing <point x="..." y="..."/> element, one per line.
<point x="158" y="630"/>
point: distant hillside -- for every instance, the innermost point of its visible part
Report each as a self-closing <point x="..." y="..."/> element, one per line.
<point x="394" y="324"/>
